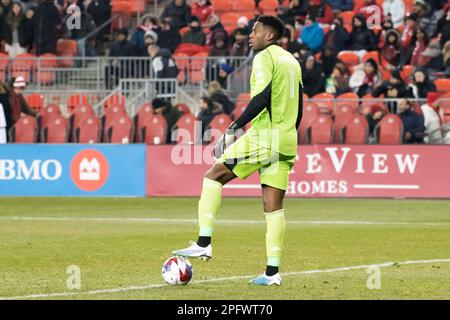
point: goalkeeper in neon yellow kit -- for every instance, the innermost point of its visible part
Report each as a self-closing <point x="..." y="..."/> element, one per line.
<point x="269" y="146"/>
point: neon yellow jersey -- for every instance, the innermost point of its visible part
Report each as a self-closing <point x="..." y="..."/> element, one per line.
<point x="274" y="128"/>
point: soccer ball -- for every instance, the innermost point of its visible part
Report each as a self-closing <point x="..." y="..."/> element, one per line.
<point x="177" y="271"/>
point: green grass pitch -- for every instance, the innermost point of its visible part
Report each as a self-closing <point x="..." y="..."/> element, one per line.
<point x="120" y="254"/>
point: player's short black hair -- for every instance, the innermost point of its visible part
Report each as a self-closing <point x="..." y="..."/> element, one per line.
<point x="273" y="22"/>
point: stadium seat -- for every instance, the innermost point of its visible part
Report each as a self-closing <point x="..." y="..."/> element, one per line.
<point x="355" y="131"/>
<point x="44" y="68"/>
<point x="342" y="114"/>
<point x="245" y="96"/>
<point x="406" y="72"/>
<point x="197" y="68"/>
<point x="185" y="131"/>
<point x="321" y="130"/>
<point x="347" y="18"/>
<point x="116" y="99"/>
<point x="390" y="130"/>
<point x="79" y="114"/>
<point x="350" y="58"/>
<point x="56" y="130"/>
<point x="47" y="113"/>
<point x="25" y="130"/>
<point x="244" y="6"/>
<point x="137" y="6"/>
<point x="76" y="100"/>
<point x="144" y="113"/>
<point x="409" y="7"/>
<point x="239" y="109"/>
<point x="347" y="99"/>
<point x="120" y="130"/>
<point x="4" y="64"/>
<point x="310" y="113"/>
<point x="35" y="101"/>
<point x="442" y="85"/>
<point x="325" y="102"/>
<point x="269" y="6"/>
<point x="88" y="130"/>
<point x="375" y="55"/>
<point x="108" y="117"/>
<point x="22" y="65"/>
<point x="222" y="6"/>
<point x="120" y="14"/>
<point x="183" y="108"/>
<point x="217" y="127"/>
<point x="154" y="130"/>
<point x="66" y="51"/>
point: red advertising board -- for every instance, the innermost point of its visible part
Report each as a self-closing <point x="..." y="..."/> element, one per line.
<point x="400" y="171"/>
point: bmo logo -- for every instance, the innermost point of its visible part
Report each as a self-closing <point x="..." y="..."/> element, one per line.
<point x="89" y="170"/>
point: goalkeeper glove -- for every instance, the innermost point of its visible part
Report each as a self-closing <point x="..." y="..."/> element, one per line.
<point x="224" y="142"/>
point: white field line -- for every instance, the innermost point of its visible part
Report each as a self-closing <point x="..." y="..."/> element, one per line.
<point x="195" y="221"/>
<point x="153" y="286"/>
<point x="387" y="186"/>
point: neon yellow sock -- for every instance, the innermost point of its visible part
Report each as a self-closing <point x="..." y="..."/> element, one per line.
<point x="276" y="226"/>
<point x="208" y="206"/>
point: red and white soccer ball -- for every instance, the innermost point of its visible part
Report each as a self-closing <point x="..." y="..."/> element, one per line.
<point x="177" y="271"/>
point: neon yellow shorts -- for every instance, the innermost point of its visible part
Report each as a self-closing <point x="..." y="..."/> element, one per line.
<point x="244" y="158"/>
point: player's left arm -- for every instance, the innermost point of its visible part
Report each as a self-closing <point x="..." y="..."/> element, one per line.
<point x="300" y="106"/>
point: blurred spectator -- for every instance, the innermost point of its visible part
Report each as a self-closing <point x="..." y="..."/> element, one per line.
<point x="373" y="117"/>
<point x="386" y="26"/>
<point x="168" y="37"/>
<point x="444" y="28"/>
<point x="282" y="12"/>
<point x="120" y="68"/>
<point x="87" y="24"/>
<point x="313" y="77"/>
<point x="202" y="9"/>
<point x="16" y="31"/>
<point x="408" y="31"/>
<point x="421" y="85"/>
<point x="338" y="36"/>
<point x="365" y="78"/>
<point x="241" y="47"/>
<point x="446" y="58"/>
<point x="48" y="21"/>
<point x="216" y="31"/>
<point x="28" y="26"/>
<point x="432" y="122"/>
<point x="418" y="45"/>
<point x="341" y="5"/>
<point x="393" y="88"/>
<point x="257" y="12"/>
<point x="427" y="17"/>
<point x="163" y="65"/>
<point x="298" y="8"/>
<point x="361" y="38"/>
<point x="287" y="44"/>
<point x="100" y="11"/>
<point x="329" y="60"/>
<point x="13" y="101"/>
<point x="242" y="23"/>
<point x="171" y="114"/>
<point x="391" y="51"/>
<point x="219" y="46"/>
<point x="195" y="35"/>
<point x="224" y="71"/>
<point x="337" y="82"/>
<point x="179" y="11"/>
<point x="301" y="54"/>
<point x="312" y="34"/>
<point x="5" y="7"/>
<point x="217" y="94"/>
<point x="431" y="58"/>
<point x="208" y="110"/>
<point x="147" y="23"/>
<point x="320" y="11"/>
<point x="413" y="123"/>
<point x="395" y="9"/>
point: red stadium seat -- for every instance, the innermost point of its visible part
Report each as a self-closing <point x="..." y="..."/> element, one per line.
<point x="35" y="101"/>
<point x="22" y="65"/>
<point x="348" y="99"/>
<point x="390" y="130"/>
<point x="154" y="130"/>
<point x="355" y="131"/>
<point x="4" y="63"/>
<point x="222" y="6"/>
<point x="78" y="115"/>
<point x="347" y="18"/>
<point x="325" y="102"/>
<point x="66" y="46"/>
<point x="343" y="114"/>
<point x="183" y="108"/>
<point x="310" y="113"/>
<point x="120" y="130"/>
<point x="116" y="99"/>
<point x="229" y="19"/>
<point x="351" y="59"/>
<point x="144" y="113"/>
<point x="108" y="117"/>
<point x="182" y="61"/>
<point x="25" y="130"/>
<point x="245" y="96"/>
<point x="121" y="14"/>
<point x="197" y="68"/>
<point x="56" y="130"/>
<point x="76" y="100"/>
<point x="244" y="6"/>
<point x="185" y="130"/>
<point x="44" y="68"/>
<point x="375" y="55"/>
<point x="239" y="109"/>
<point x="321" y="130"/>
<point x="47" y="113"/>
<point x="442" y="85"/>
<point x="269" y="6"/>
<point x="88" y="130"/>
<point x="217" y="127"/>
<point x="407" y="72"/>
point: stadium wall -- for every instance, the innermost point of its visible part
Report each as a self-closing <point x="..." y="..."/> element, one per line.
<point x="72" y="170"/>
<point x="367" y="171"/>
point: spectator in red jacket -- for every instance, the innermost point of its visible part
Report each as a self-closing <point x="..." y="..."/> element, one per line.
<point x="321" y="11"/>
<point x="202" y="9"/>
